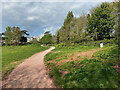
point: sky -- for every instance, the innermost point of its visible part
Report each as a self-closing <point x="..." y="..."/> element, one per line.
<point x="39" y="16"/>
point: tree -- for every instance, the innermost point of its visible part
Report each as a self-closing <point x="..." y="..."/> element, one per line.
<point x="54" y="40"/>
<point x="67" y="25"/>
<point x="74" y="29"/>
<point x="24" y="32"/>
<point x="47" y="32"/>
<point x="64" y="31"/>
<point x="23" y="38"/>
<point x="68" y="20"/>
<point x="34" y="40"/>
<point x="58" y="37"/>
<point x="8" y="35"/>
<point x="115" y="6"/>
<point x="46" y="39"/>
<point x="78" y="29"/>
<point x="16" y="35"/>
<point x="101" y="22"/>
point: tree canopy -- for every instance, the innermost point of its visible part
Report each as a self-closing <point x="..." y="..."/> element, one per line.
<point x="46" y="39"/>
<point x="14" y="35"/>
<point x="101" y="22"/>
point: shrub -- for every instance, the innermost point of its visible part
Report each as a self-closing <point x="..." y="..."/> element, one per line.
<point x="60" y="45"/>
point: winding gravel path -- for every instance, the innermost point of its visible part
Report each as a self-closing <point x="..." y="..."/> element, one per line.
<point x="30" y="74"/>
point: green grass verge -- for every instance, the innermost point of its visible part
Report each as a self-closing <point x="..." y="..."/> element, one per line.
<point x="14" y="55"/>
<point x="86" y="73"/>
<point x="62" y="53"/>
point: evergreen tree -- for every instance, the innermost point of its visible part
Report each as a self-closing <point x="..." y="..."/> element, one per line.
<point x="101" y="22"/>
<point x="65" y="29"/>
<point x="58" y="37"/>
<point x="68" y="19"/>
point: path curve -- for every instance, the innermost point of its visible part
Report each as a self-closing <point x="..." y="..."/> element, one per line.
<point x="30" y="74"/>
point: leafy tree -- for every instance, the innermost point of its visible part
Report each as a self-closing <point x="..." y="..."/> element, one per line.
<point x="8" y="35"/>
<point x="46" y="39"/>
<point x="116" y="12"/>
<point x="74" y="29"/>
<point x="88" y="16"/>
<point x="58" y="36"/>
<point x="74" y="37"/>
<point x="47" y="32"/>
<point x="101" y="22"/>
<point x="95" y="26"/>
<point x="34" y="40"/>
<point x="24" y="32"/>
<point x="78" y="29"/>
<point x="23" y="38"/>
<point x="16" y="36"/>
<point x="54" y="40"/>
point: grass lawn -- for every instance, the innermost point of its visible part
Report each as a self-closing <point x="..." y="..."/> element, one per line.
<point x="14" y="55"/>
<point x="96" y="72"/>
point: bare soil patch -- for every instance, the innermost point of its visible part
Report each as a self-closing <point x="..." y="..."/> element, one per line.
<point x="86" y="54"/>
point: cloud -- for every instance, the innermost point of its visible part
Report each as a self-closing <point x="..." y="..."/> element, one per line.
<point x="75" y="6"/>
<point x="5" y="6"/>
<point x="57" y="0"/>
<point x="32" y="18"/>
<point x="51" y="29"/>
<point x="37" y="17"/>
<point x="0" y="17"/>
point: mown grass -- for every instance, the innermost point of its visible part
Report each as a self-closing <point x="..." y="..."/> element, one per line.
<point x="14" y="55"/>
<point x="86" y="73"/>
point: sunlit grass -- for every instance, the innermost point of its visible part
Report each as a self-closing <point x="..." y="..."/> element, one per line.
<point x="66" y="51"/>
<point x="14" y="55"/>
<point x="85" y="73"/>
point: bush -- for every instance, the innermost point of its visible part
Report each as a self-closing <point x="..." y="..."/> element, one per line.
<point x="110" y="54"/>
<point x="46" y="39"/>
<point x="60" y="45"/>
<point x="88" y="43"/>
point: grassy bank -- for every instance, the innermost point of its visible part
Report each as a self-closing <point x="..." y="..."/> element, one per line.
<point x="66" y="52"/>
<point x="97" y="72"/>
<point x="14" y="55"/>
